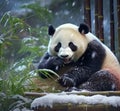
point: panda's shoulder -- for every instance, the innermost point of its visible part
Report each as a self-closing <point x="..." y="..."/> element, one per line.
<point x="95" y="44"/>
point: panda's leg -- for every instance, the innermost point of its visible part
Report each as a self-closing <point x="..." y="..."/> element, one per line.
<point x="102" y="80"/>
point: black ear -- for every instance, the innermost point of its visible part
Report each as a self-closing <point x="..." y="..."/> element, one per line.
<point x="83" y="28"/>
<point x="51" y="30"/>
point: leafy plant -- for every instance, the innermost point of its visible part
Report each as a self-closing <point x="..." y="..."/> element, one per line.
<point x="20" y="46"/>
<point x="47" y="72"/>
<point x="42" y="13"/>
<point x="10" y="27"/>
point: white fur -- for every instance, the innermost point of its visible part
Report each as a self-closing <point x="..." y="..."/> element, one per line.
<point x="65" y="34"/>
<point x="69" y="33"/>
<point x="67" y="25"/>
<point x="65" y="51"/>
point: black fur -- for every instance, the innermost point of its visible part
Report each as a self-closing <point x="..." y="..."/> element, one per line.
<point x="93" y="56"/>
<point x="57" y="47"/>
<point x="85" y="66"/>
<point x="75" y="76"/>
<point x="86" y="72"/>
<point x="83" y="28"/>
<point x="49" y="62"/>
<point x="101" y="81"/>
<point x="72" y="46"/>
<point x="51" y="30"/>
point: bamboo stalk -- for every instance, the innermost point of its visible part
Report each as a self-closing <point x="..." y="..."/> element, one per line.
<point x="87" y="12"/>
<point x="100" y="20"/>
<point x="78" y="107"/>
<point x="107" y="93"/>
<point x="35" y="94"/>
<point x="112" y="40"/>
<point x="96" y="19"/>
<point x="118" y="13"/>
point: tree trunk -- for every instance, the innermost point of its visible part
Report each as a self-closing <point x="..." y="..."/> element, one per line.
<point x="112" y="38"/>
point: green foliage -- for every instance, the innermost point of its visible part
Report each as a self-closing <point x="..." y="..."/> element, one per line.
<point x="13" y="46"/>
<point x="47" y="72"/>
<point x="35" y="46"/>
<point x="16" y="81"/>
<point x="13" y="85"/>
<point x="42" y="13"/>
<point x="20" y="46"/>
<point x="10" y="43"/>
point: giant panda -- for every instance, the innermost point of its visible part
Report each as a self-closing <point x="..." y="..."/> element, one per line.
<point x="81" y="59"/>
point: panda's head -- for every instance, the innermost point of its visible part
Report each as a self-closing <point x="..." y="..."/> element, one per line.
<point x="68" y="41"/>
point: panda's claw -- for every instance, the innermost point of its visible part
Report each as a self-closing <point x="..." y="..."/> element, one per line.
<point x="66" y="81"/>
<point x="69" y="89"/>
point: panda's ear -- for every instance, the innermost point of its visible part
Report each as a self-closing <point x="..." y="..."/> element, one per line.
<point x="83" y="28"/>
<point x="51" y="30"/>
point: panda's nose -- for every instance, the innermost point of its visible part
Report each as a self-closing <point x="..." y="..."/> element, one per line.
<point x="64" y="56"/>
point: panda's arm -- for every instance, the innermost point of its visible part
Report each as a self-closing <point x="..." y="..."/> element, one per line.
<point x="75" y="76"/>
<point x="88" y="64"/>
<point x="49" y="62"/>
<point x="94" y="56"/>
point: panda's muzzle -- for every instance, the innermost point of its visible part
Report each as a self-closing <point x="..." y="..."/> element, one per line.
<point x="66" y="59"/>
<point x="64" y="56"/>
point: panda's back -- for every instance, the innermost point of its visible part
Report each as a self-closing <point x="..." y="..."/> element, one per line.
<point x="110" y="61"/>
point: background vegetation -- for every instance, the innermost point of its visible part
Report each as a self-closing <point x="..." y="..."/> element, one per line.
<point x="21" y="47"/>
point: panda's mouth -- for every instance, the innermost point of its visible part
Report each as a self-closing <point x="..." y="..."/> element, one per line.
<point x="67" y="60"/>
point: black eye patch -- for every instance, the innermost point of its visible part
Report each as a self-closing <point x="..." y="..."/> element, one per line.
<point x="72" y="46"/>
<point x="57" y="47"/>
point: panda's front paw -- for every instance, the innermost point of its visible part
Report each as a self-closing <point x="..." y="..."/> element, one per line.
<point x="54" y="61"/>
<point x="66" y="81"/>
